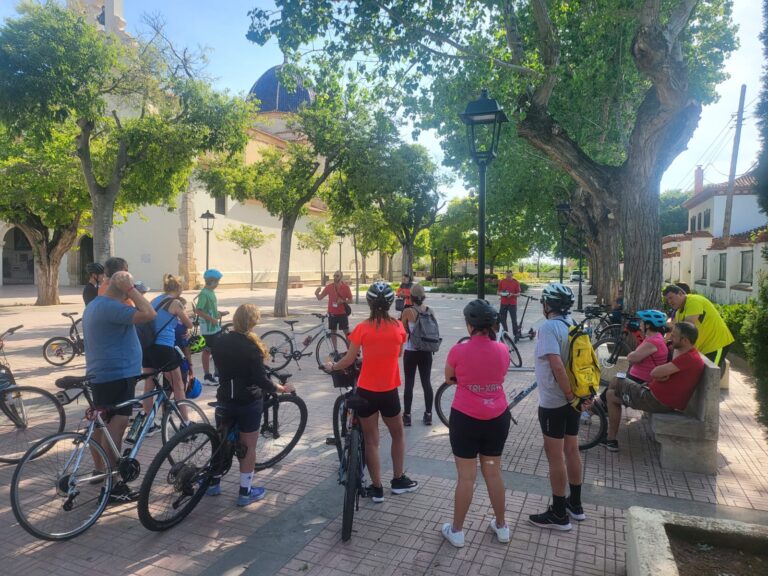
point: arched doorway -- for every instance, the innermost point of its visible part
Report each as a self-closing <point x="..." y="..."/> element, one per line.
<point x="86" y="257"/>
<point x="18" y="258"/>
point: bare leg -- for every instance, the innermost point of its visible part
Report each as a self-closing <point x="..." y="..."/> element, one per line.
<point x="116" y="428"/>
<point x="573" y="462"/>
<point x="178" y="390"/>
<point x="558" y="478"/>
<point x="467" y="472"/>
<point x="397" y="432"/>
<point x="206" y="358"/>
<point x="248" y="439"/>
<point x="614" y="414"/>
<point x="370" y="427"/>
<point x="491" y="469"/>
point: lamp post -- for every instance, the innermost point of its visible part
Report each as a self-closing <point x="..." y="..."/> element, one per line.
<point x="483" y="118"/>
<point x="563" y="213"/>
<point x="208" y="221"/>
<point x="341" y="241"/>
<point x="580" y="302"/>
<point x="450" y="262"/>
<point x="446" y="251"/>
<point x="434" y="264"/>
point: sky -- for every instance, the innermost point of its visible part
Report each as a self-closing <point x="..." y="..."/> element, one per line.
<point x="235" y="63"/>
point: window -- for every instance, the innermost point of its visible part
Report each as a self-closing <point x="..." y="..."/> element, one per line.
<point x="698" y="220"/>
<point x="693" y="224"/>
<point x="703" y="267"/>
<point x="721" y="268"/>
<point x="707" y="217"/>
<point x="221" y="205"/>
<point x="746" y="267"/>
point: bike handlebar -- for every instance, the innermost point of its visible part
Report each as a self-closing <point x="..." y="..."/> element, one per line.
<point x="11" y="331"/>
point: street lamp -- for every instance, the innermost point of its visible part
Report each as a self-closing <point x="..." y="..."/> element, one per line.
<point x="341" y="241"/>
<point x="434" y="264"/>
<point x="483" y="118"/>
<point x="563" y="215"/>
<point x="208" y="221"/>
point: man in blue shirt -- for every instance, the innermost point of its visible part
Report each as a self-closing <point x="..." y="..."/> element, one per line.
<point x="113" y="356"/>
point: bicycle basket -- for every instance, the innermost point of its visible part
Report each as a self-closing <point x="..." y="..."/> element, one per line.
<point x="593" y="311"/>
<point x="6" y="377"/>
<point x="346" y="378"/>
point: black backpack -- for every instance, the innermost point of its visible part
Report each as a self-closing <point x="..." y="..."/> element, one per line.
<point x="146" y="331"/>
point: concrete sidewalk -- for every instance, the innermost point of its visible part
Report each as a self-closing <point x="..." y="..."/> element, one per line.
<point x="296" y="529"/>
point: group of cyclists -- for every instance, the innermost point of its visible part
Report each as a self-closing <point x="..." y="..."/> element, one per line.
<point x="659" y="380"/>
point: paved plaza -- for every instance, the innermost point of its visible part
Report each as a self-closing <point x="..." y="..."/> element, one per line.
<point x="296" y="529"/>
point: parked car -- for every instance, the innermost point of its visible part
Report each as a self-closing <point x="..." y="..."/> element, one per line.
<point x="576" y="276"/>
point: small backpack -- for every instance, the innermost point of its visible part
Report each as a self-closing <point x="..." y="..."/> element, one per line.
<point x="426" y="333"/>
<point x="146" y="331"/>
<point x="582" y="366"/>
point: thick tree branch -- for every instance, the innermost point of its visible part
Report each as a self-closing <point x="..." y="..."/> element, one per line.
<point x="549" y="50"/>
<point x="649" y="14"/>
<point x="679" y="18"/>
<point x="83" y="141"/>
<point x="514" y="41"/>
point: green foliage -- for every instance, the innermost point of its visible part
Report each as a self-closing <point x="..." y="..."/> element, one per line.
<point x="673" y="217"/>
<point x="735" y="317"/>
<point x="319" y="237"/>
<point x="761" y="112"/>
<point x="246" y="238"/>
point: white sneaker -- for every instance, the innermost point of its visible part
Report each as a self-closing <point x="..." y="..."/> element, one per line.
<point x="502" y="534"/>
<point x="455" y="538"/>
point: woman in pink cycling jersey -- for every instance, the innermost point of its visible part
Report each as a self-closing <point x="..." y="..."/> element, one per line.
<point x="479" y="421"/>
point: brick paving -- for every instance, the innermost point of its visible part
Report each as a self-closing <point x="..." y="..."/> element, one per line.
<point x="295" y="530"/>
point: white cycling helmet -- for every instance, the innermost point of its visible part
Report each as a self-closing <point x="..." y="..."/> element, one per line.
<point x="557" y="296"/>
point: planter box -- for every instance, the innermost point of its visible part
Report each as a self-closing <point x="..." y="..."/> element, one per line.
<point x="648" y="549"/>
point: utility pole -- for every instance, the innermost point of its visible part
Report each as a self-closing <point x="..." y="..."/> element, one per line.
<point x="732" y="173"/>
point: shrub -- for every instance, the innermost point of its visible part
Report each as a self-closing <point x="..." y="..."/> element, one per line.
<point x="735" y="316"/>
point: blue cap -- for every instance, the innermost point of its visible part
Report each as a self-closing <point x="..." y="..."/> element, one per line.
<point x="212" y="273"/>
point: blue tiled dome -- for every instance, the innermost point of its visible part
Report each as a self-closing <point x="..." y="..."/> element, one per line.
<point x="274" y="97"/>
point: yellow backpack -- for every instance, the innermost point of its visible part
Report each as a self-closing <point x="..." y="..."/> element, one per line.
<point x="582" y="367"/>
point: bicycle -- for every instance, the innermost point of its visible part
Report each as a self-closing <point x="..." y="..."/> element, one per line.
<point x="62" y="484"/>
<point x="600" y="321"/>
<point x="27" y="413"/>
<point x="185" y="467"/>
<point x="284" y="348"/>
<point x="60" y="350"/>
<point x="515" y="360"/>
<point x="281" y="426"/>
<point x="609" y="348"/>
<point x="594" y="422"/>
<point x="348" y="434"/>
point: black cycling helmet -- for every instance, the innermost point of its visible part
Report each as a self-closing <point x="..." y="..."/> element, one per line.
<point x="557" y="296"/>
<point x="94" y="268"/>
<point x="380" y="296"/>
<point x="480" y="314"/>
<point x="653" y="317"/>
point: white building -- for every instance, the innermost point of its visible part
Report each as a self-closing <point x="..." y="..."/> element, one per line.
<point x="725" y="272"/>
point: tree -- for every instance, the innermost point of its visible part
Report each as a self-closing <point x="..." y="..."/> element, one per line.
<point x="611" y="96"/>
<point x="43" y="193"/>
<point x="140" y="113"/>
<point x="319" y="237"/>
<point x="246" y="238"/>
<point x="284" y="181"/>
<point x="762" y="115"/>
<point x="673" y="216"/>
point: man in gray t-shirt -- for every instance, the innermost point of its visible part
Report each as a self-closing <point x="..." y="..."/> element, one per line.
<point x="559" y="421"/>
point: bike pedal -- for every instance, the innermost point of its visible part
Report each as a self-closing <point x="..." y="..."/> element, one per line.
<point x="331" y="441"/>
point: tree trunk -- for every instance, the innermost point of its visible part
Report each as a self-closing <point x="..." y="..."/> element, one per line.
<point x="357" y="274"/>
<point x="322" y="267"/>
<point x="250" y="259"/>
<point x="604" y="254"/>
<point x="390" y="265"/>
<point x="102" y="224"/>
<point x="49" y="253"/>
<point x="407" y="258"/>
<point x="363" y="272"/>
<point x="281" y="292"/>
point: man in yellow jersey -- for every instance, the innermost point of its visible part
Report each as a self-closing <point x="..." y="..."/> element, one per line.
<point x="714" y="337"/>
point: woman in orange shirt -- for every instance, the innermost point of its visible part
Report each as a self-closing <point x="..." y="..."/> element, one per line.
<point x="381" y="339"/>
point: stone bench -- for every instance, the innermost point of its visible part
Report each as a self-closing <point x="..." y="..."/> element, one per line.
<point x="294" y="282"/>
<point x="688" y="439"/>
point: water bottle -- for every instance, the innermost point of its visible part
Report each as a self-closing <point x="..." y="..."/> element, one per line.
<point x="133" y="433"/>
<point x="307" y="341"/>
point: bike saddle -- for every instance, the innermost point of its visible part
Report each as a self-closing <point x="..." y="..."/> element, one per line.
<point x="316" y="315"/>
<point x="67" y="382"/>
<point x="69" y="314"/>
<point x="282" y="377"/>
<point x="291" y="322"/>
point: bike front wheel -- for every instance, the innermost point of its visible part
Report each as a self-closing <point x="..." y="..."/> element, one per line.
<point x="443" y="401"/>
<point x="593" y="426"/>
<point x="282" y="425"/>
<point x="331" y="347"/>
<point x="57" y="491"/>
<point x="279" y="349"/>
<point x="171" y="423"/>
<point x="178" y="477"/>
<point x="609" y="350"/>
<point x="58" y="350"/>
<point x="227" y="328"/>
<point x="29" y="414"/>
<point x="339" y="419"/>
<point x="352" y="480"/>
<point x="514" y="354"/>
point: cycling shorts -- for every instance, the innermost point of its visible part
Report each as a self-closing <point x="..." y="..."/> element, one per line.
<point x="114" y="392"/>
<point x="338" y="322"/>
<point x="158" y="356"/>
<point x="246" y="416"/>
<point x="388" y="403"/>
<point x="559" y="422"/>
<point x="470" y="436"/>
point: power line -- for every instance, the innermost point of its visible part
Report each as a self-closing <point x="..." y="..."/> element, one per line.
<point x="718" y="140"/>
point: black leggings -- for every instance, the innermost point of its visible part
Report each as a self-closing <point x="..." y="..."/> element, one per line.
<point x="421" y="359"/>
